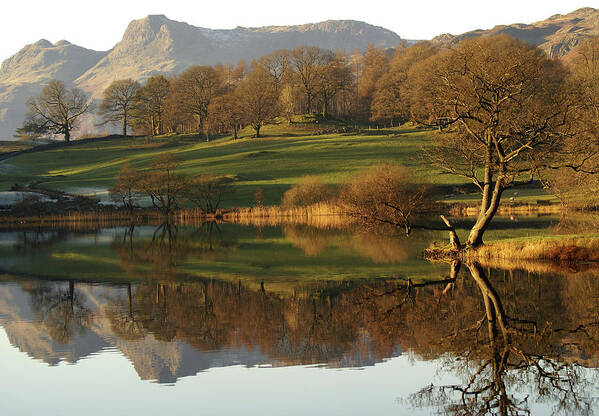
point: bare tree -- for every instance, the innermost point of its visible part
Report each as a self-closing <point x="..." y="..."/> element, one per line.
<point x="195" y="90"/>
<point x="258" y="98"/>
<point x="126" y="190"/>
<point x="56" y="111"/>
<point x="371" y="66"/>
<point x="209" y="191"/>
<point x="118" y="101"/>
<point x="150" y="104"/>
<point x="390" y="101"/>
<point x="225" y="112"/>
<point x="305" y="61"/>
<point x="277" y="65"/>
<point x="385" y="194"/>
<point x="165" y="187"/>
<point x="287" y="102"/>
<point x="576" y="183"/>
<point x="505" y="112"/>
<point x="334" y="76"/>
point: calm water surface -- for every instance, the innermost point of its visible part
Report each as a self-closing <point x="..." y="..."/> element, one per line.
<point x="286" y="320"/>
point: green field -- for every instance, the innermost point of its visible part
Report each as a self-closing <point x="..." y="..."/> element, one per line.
<point x="273" y="163"/>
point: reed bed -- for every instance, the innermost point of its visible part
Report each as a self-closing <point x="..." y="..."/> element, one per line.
<point x="82" y="219"/>
<point x="541" y="266"/>
<point x="507" y="209"/>
<point x="320" y="215"/>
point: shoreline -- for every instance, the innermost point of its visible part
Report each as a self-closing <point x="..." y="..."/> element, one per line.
<point x="274" y="213"/>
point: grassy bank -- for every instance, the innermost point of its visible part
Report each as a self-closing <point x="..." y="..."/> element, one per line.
<point x="273" y="163"/>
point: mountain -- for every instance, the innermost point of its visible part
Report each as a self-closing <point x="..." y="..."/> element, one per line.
<point x="157" y="44"/>
<point x="556" y="35"/>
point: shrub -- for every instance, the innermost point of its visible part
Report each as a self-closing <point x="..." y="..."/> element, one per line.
<point x="208" y="191"/>
<point x="310" y="190"/>
<point x="385" y="193"/>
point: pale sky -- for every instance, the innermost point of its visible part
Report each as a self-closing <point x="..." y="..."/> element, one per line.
<point x="100" y="24"/>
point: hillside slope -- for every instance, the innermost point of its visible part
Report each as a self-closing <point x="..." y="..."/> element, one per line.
<point x="273" y="163"/>
<point x="556" y="35"/>
<point x="156" y="44"/>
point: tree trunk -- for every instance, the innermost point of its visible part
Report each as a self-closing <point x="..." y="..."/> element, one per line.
<point x="490" y="200"/>
<point x="325" y="109"/>
<point x="454" y="240"/>
<point x="257" y="129"/>
<point x="125" y="125"/>
<point x="475" y="238"/>
<point x="494" y="307"/>
<point x="67" y="134"/>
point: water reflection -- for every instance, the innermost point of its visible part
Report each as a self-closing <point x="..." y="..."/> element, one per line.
<point x="511" y="338"/>
<point x="526" y="348"/>
<point x="514" y="338"/>
<point x="168" y="247"/>
<point x="59" y="310"/>
<point x="381" y="248"/>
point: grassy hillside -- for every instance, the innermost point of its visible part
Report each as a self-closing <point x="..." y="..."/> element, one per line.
<point x="272" y="163"/>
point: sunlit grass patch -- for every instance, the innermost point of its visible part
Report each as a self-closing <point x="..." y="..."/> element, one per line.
<point x="553" y="248"/>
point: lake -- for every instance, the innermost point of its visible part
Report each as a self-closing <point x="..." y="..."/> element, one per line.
<point x="225" y="319"/>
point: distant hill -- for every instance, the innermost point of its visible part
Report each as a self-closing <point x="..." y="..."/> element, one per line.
<point x="556" y="35"/>
<point x="157" y="44"/>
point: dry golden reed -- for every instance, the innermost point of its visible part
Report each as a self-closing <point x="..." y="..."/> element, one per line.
<point x="567" y="249"/>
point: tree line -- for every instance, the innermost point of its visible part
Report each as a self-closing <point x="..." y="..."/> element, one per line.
<point x="381" y="86"/>
<point x="220" y="99"/>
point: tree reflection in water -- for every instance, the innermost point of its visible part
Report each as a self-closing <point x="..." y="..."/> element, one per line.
<point x="514" y="356"/>
<point x="519" y="340"/>
<point x="167" y="248"/>
<point x="60" y="311"/>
